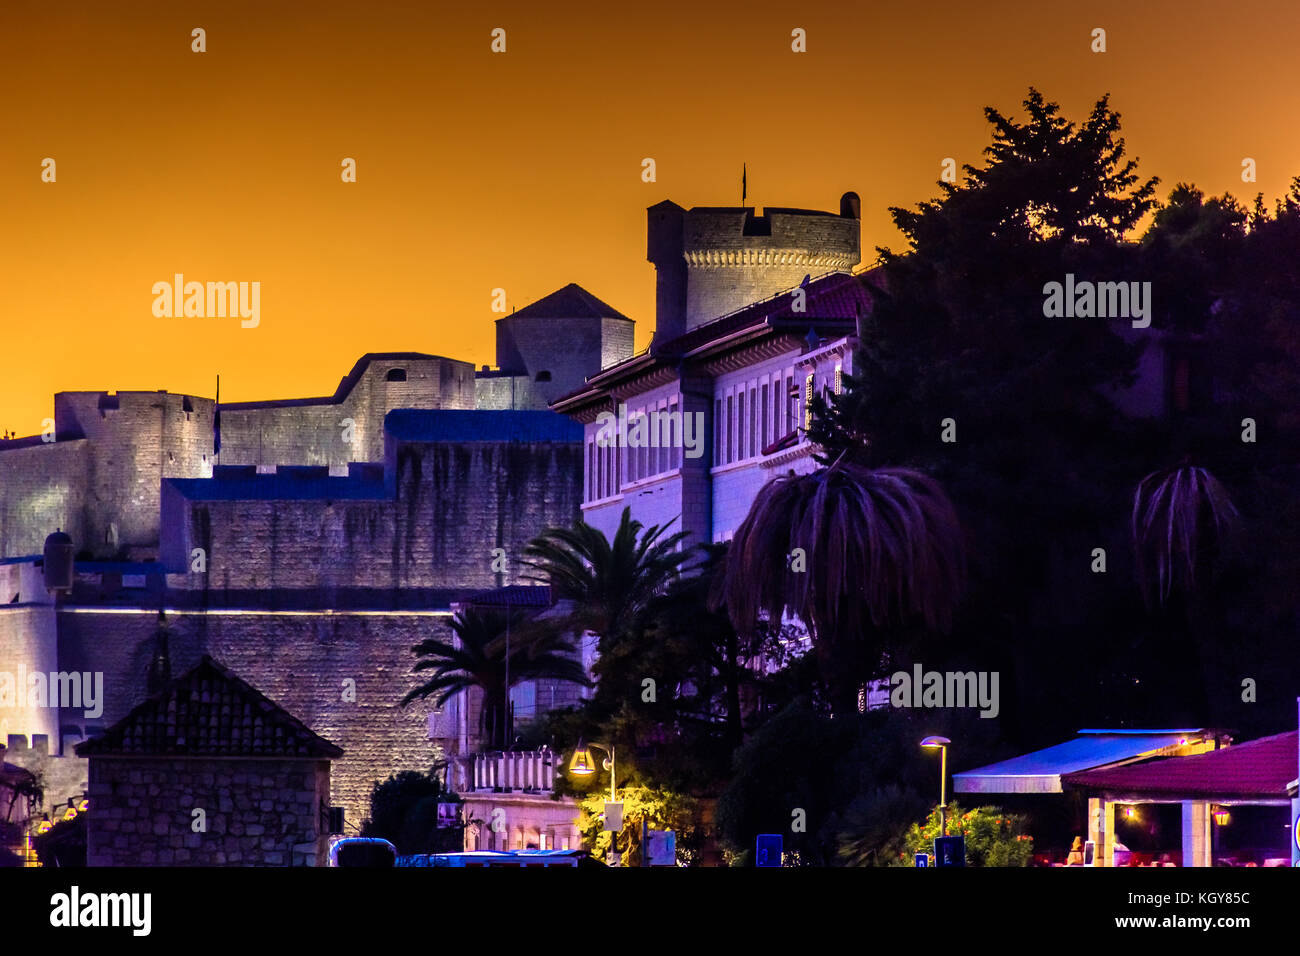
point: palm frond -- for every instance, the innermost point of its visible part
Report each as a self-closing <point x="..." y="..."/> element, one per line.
<point x="1175" y="511"/>
<point x="881" y="546"/>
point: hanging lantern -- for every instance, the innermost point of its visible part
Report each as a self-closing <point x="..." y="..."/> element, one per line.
<point x="582" y="765"/>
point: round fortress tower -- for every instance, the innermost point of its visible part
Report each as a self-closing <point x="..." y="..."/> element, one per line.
<point x="713" y="260"/>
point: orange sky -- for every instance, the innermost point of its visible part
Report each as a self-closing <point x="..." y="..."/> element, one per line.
<point x="519" y="170"/>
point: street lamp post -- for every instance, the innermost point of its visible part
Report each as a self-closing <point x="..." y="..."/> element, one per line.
<point x="582" y="766"/>
<point x="942" y="744"/>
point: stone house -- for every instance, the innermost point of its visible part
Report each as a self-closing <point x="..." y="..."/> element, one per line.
<point x="208" y="772"/>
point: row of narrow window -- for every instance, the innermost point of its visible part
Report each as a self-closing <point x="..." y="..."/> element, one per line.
<point x="610" y="466"/>
<point x="744" y="423"/>
<point x="758" y="414"/>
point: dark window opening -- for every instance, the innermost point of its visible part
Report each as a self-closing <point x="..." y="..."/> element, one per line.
<point x="543" y="376"/>
<point x="396" y="375"/>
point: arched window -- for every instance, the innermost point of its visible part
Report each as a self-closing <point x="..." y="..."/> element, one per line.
<point x="396" y="375"/>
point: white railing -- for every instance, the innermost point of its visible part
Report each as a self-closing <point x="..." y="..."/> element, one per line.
<point x="522" y="770"/>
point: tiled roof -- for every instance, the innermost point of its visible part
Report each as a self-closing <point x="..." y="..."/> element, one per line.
<point x="835" y="299"/>
<point x="571" y="302"/>
<point x="1257" y="768"/>
<point x="210" y="713"/>
<point x="833" y="303"/>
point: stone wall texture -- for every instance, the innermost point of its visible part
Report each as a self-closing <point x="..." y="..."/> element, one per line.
<point x="255" y="812"/>
<point x="343" y="675"/>
<point x="274" y="604"/>
<point x="28" y="643"/>
<point x="311" y="431"/>
<point x="528" y="344"/>
<point x="99" y="481"/>
<point x="727" y="269"/>
<point x="455" y="504"/>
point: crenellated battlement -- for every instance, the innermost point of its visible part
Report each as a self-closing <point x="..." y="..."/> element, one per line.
<point x="713" y="260"/>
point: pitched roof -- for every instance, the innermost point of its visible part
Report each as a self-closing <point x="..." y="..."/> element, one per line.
<point x="835" y="300"/>
<point x="209" y="712"/>
<point x="571" y="302"/>
<point x="1257" y="768"/>
<point x="833" y="303"/>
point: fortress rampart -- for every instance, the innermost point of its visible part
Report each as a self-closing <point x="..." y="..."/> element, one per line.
<point x="710" y="261"/>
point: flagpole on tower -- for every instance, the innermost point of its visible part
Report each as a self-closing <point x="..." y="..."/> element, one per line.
<point x="744" y="184"/>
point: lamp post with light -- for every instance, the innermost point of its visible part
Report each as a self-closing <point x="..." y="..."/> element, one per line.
<point x="941" y="743"/>
<point x="582" y="765"/>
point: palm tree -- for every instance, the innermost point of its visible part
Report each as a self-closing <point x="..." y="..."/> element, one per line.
<point x="609" y="582"/>
<point x="478" y="658"/>
<point x="1180" y="517"/>
<point x="879" y="547"/>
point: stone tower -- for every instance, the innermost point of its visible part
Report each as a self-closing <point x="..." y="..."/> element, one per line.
<point x="711" y="260"/>
<point x="548" y="348"/>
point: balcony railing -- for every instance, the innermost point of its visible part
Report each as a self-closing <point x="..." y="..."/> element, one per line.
<point x="529" y="771"/>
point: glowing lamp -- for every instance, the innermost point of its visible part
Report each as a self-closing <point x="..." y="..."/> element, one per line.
<point x="582" y="765"/>
<point x="1130" y="812"/>
<point x="941" y="744"/>
<point x="1222" y="816"/>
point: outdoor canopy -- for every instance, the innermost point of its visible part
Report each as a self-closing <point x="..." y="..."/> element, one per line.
<point x="1041" y="770"/>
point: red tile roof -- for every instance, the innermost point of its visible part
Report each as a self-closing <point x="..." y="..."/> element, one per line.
<point x="833" y="305"/>
<point x="833" y="300"/>
<point x="1258" y="768"/>
<point x="210" y="712"/>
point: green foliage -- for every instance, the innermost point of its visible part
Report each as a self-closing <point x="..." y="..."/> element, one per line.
<point x="993" y="838"/>
<point x="609" y="581"/>
<point x="404" y="811"/>
<point x="864" y="776"/>
<point x="661" y="810"/>
<point x="491" y="647"/>
<point x="679" y="732"/>
<point x="881" y="547"/>
<point x="791" y="762"/>
<point x="871" y="835"/>
<point x="1049" y="464"/>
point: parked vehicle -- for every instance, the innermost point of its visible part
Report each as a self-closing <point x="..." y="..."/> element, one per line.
<point x="363" y="852"/>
